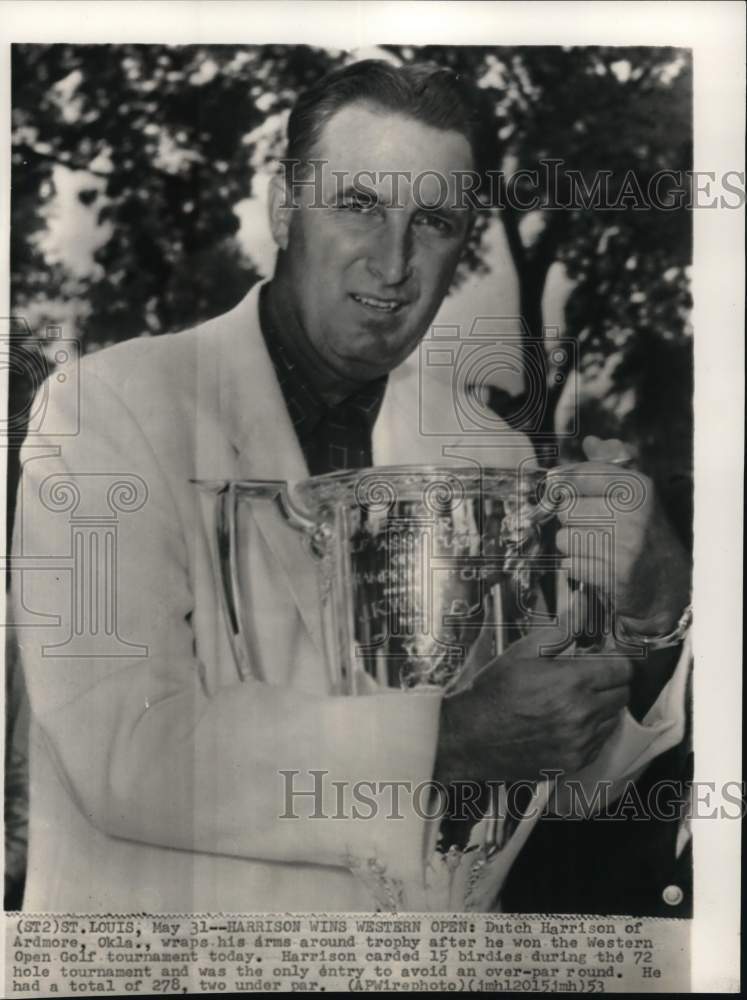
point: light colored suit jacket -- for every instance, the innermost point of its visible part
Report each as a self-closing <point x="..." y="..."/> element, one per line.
<point x="155" y="780"/>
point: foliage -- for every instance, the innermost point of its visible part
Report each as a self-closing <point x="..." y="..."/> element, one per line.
<point x="159" y="131"/>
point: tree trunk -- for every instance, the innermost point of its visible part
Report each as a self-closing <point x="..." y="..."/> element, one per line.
<point x="536" y="414"/>
<point x="538" y="423"/>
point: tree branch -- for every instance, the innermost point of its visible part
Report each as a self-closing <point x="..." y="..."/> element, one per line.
<point x="542" y="254"/>
<point x="510" y="220"/>
<point x="26" y="150"/>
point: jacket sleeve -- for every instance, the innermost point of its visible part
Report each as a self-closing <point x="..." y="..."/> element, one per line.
<point x="144" y="749"/>
<point x="632" y="746"/>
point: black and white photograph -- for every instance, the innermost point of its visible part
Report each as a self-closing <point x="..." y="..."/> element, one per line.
<point x="373" y="447"/>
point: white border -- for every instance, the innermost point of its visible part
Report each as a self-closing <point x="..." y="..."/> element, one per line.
<point x="716" y="32"/>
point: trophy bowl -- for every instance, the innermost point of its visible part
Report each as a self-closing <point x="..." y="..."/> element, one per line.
<point x="416" y="565"/>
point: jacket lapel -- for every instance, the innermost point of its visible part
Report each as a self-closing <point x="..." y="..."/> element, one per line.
<point x="254" y="414"/>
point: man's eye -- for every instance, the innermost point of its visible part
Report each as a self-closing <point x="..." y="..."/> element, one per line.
<point x="358" y="203"/>
<point x="437" y="222"/>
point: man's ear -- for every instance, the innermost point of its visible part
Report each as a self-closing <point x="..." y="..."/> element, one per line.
<point x="280" y="211"/>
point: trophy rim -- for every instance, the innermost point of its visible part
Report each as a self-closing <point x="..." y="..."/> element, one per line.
<point x="472" y="471"/>
<point x="411" y="479"/>
<point x="532" y="474"/>
<point x="481" y="472"/>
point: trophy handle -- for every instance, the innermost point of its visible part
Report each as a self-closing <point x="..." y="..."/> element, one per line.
<point x="317" y="532"/>
<point x="227" y="495"/>
<point x="598" y="624"/>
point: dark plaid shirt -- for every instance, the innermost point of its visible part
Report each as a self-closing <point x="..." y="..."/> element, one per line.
<point x="332" y="438"/>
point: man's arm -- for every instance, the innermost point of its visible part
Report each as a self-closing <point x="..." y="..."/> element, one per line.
<point x="529" y="717"/>
<point x="146" y="747"/>
<point x="650" y="570"/>
<point x="526" y="713"/>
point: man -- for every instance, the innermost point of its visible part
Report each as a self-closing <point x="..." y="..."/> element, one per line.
<point x="155" y="778"/>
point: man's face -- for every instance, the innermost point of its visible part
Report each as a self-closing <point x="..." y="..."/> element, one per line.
<point x="365" y="278"/>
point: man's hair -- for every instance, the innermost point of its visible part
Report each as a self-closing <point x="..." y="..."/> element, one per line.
<point x="433" y="95"/>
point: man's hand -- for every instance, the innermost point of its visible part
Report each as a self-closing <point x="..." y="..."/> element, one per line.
<point x="526" y="713"/>
<point x="650" y="569"/>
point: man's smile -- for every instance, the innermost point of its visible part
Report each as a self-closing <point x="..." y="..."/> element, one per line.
<point x="388" y="305"/>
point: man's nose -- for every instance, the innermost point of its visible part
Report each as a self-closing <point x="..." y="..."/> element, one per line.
<point x="389" y="259"/>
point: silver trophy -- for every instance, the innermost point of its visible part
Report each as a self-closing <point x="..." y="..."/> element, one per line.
<point x="426" y="574"/>
<point x="415" y="565"/>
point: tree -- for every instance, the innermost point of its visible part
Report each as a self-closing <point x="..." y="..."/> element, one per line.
<point x="159" y="131"/>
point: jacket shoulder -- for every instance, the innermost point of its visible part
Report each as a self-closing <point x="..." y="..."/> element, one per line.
<point x="160" y="381"/>
<point x="163" y="362"/>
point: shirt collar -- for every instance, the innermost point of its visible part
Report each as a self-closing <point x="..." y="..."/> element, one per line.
<point x="306" y="407"/>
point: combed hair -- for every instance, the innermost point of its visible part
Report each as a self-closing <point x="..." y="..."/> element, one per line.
<point x="433" y="95"/>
